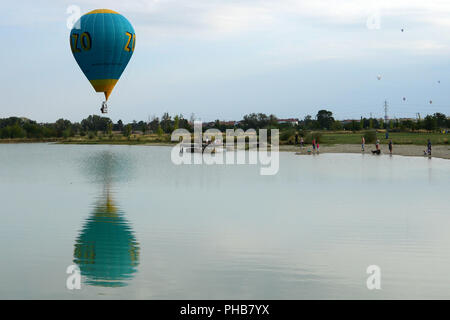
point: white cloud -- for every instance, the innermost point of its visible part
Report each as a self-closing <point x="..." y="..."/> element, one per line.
<point x="226" y="18"/>
<point x="279" y="32"/>
<point x="245" y="15"/>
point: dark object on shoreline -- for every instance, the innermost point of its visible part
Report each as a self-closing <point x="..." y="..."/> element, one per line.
<point x="376" y="151"/>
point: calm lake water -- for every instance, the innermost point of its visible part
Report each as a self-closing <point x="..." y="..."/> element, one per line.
<point x="138" y="226"/>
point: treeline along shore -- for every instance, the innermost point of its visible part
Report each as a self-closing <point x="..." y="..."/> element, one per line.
<point x="323" y="128"/>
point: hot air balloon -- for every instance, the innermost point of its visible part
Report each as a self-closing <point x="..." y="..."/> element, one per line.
<point x="379" y="77"/>
<point x="102" y="43"/>
<point x="404" y="98"/>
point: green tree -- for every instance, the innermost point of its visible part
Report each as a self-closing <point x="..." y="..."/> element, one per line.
<point x="95" y="123"/>
<point x="441" y="119"/>
<point x="127" y="131"/>
<point x="355" y="125"/>
<point x="67" y="133"/>
<point x="17" y="131"/>
<point x="62" y="125"/>
<point x="309" y="123"/>
<point x="430" y="123"/>
<point x="119" y="126"/>
<point x="336" y="126"/>
<point x="325" y="119"/>
<point x="159" y="131"/>
<point x="109" y="128"/>
<point x="176" y="124"/>
<point x="154" y="124"/>
<point x="166" y="123"/>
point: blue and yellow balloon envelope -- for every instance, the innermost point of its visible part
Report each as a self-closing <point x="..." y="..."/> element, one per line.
<point x="102" y="42"/>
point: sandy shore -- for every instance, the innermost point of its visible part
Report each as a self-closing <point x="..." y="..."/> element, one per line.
<point x="440" y="151"/>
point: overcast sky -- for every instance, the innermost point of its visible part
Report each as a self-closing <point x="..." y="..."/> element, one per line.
<point x="224" y="59"/>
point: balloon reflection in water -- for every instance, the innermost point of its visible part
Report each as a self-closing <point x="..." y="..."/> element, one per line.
<point x="106" y="249"/>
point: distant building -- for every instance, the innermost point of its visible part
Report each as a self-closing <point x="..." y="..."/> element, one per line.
<point x="292" y="121"/>
<point x="224" y="123"/>
<point x="229" y="123"/>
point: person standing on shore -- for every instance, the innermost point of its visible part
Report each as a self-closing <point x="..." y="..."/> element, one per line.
<point x="301" y="142"/>
<point x="390" y="146"/>
<point x="363" y="142"/>
<point x="429" y="147"/>
<point x="317" y="146"/>
<point x="314" y="145"/>
<point x="296" y="139"/>
<point x="377" y="145"/>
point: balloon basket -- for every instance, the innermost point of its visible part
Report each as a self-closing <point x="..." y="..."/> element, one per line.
<point x="104" y="108"/>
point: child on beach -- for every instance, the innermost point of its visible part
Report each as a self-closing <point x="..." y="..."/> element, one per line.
<point x="314" y="145"/>
<point x="301" y="142"/>
<point x="363" y="142"/>
<point x="429" y="147"/>
<point x="317" y="146"/>
<point x="390" y="146"/>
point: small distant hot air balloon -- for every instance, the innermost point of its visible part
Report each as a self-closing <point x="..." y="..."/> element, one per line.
<point x="379" y="77"/>
<point x="431" y="101"/>
<point x="404" y="99"/>
<point x="102" y="46"/>
<point x="439" y="81"/>
<point x="402" y="30"/>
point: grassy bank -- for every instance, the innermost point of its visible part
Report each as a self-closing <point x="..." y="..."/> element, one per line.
<point x="134" y="139"/>
<point x="30" y="140"/>
<point x="119" y="139"/>
<point x="326" y="138"/>
<point x="413" y="138"/>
